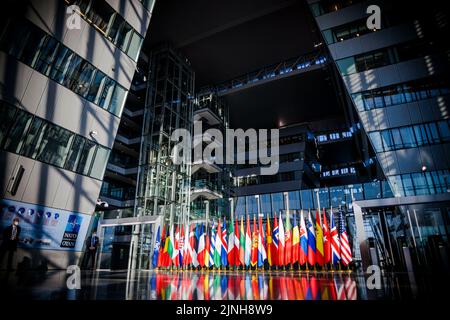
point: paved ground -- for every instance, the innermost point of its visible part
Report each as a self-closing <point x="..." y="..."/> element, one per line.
<point x="229" y="285"/>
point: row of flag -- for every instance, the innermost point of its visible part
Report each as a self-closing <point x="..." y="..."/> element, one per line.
<point x="219" y="286"/>
<point x="252" y="245"/>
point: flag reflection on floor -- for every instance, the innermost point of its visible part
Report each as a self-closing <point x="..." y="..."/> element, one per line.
<point x="251" y="286"/>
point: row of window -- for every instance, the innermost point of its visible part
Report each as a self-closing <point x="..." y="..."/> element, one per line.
<point x="347" y="31"/>
<point x="117" y="191"/>
<point x="411" y="136"/>
<point x="40" y="51"/>
<point x="420" y="183"/>
<point x="334" y="136"/>
<point x="322" y="7"/>
<point x="255" y="180"/>
<point x="112" y="25"/>
<point x="401" y="93"/>
<point x="35" y="138"/>
<point x="338" y="172"/>
<point x="385" y="56"/>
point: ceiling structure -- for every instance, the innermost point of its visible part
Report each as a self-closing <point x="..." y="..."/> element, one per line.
<point x="226" y="39"/>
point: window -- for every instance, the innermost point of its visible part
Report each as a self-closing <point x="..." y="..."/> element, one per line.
<point x="407" y="135"/>
<point x="87" y="155"/>
<point x="54" y="146"/>
<point x="75" y="153"/>
<point x="99" y="164"/>
<point x="46" y="55"/>
<point x="17" y="133"/>
<point x="61" y="64"/>
<point x="33" y="137"/>
<point x="117" y="100"/>
<point x="83" y="78"/>
<point x="106" y="92"/>
<point x="6" y="118"/>
<point x="94" y="89"/>
<point x="444" y="130"/>
<point x="124" y="36"/>
<point x="376" y="141"/>
<point x="386" y="137"/>
<point x="346" y="66"/>
<point x="135" y="46"/>
<point x="100" y="14"/>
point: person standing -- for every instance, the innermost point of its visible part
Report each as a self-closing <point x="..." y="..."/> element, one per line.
<point x="91" y="249"/>
<point x="11" y="236"/>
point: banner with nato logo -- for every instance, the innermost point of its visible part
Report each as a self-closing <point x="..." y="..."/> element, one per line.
<point x="45" y="228"/>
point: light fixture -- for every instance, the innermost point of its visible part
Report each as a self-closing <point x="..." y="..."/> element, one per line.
<point x="424" y="168"/>
<point x="93" y="133"/>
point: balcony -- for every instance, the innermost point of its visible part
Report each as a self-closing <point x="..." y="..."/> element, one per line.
<point x="206" y="165"/>
<point x="205" y="189"/>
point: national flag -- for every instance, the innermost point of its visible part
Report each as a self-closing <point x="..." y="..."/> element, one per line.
<point x="165" y="259"/>
<point x="224" y="246"/>
<point x="161" y="247"/>
<point x="288" y="241"/>
<point x="192" y="240"/>
<point x="231" y="248"/>
<point x="295" y="240"/>
<point x="201" y="250"/>
<point x="262" y="255"/>
<point x="172" y="249"/>
<point x="254" y="253"/>
<point x="335" y="242"/>
<point x="181" y="246"/>
<point x="269" y="241"/>
<point x="218" y="246"/>
<point x="303" y="252"/>
<point x="206" y="257"/>
<point x="319" y="240"/>
<point x="346" y="253"/>
<point x="248" y="243"/>
<point x="311" y="241"/>
<point x="156" y="248"/>
<point x="212" y="247"/>
<point x="275" y="241"/>
<point x="326" y="239"/>
<point x="187" y="257"/>
<point x="242" y="243"/>
<point x="281" y="243"/>
<point x="237" y="244"/>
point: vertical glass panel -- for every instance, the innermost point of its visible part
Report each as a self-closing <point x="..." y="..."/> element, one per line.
<point x="117" y="100"/>
<point x="387" y="191"/>
<point x="266" y="204"/>
<point x="337" y="196"/>
<point x="357" y="99"/>
<point x="306" y="199"/>
<point x="444" y="130"/>
<point x="124" y="36"/>
<point x="277" y="202"/>
<point x="54" y="145"/>
<point x="372" y="190"/>
<point x="376" y="141"/>
<point x="33" y="40"/>
<point x="408" y="137"/>
<point x="61" y="64"/>
<point x="294" y="200"/>
<point x="99" y="164"/>
<point x="420" y="184"/>
<point x="83" y="79"/>
<point x="408" y="185"/>
<point x="33" y="138"/>
<point x="7" y="113"/>
<point x="72" y="73"/>
<point x="17" y="133"/>
<point x="387" y="140"/>
<point x="240" y="207"/>
<point x="398" y="144"/>
<point x="75" y="153"/>
<point x="46" y="55"/>
<point x="94" y="89"/>
<point x="107" y="89"/>
<point x="252" y="205"/>
<point x="135" y="46"/>
<point x="397" y="185"/>
<point x="115" y="27"/>
<point x="86" y="157"/>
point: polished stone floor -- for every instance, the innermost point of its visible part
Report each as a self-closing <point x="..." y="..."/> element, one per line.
<point x="224" y="285"/>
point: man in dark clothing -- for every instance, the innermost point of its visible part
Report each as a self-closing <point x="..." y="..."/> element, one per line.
<point x="11" y="236"/>
<point x="91" y="249"/>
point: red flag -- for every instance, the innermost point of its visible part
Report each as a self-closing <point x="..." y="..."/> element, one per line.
<point x="319" y="240"/>
<point x="254" y="252"/>
<point x="288" y="240"/>
<point x="161" y="246"/>
<point x="176" y="259"/>
<point x="326" y="240"/>
<point x="237" y="240"/>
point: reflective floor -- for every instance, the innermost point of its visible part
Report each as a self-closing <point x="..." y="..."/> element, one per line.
<point x="229" y="285"/>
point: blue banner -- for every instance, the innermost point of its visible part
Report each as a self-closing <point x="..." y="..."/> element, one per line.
<point x="44" y="227"/>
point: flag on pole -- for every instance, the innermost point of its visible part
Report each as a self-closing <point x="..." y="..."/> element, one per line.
<point x="218" y="246"/>
<point x="335" y="243"/>
<point x="269" y="241"/>
<point x="181" y="246"/>
<point x="166" y="255"/>
<point x="262" y="255"/>
<point x="212" y="247"/>
<point x="172" y="249"/>
<point x="311" y="241"/>
<point x="248" y="243"/>
<point x="231" y="248"/>
<point x="187" y="257"/>
<point x="319" y="240"/>
<point x="237" y="243"/>
<point x="192" y="237"/>
<point x="281" y="244"/>
<point x="161" y="247"/>
<point x="201" y="250"/>
<point x="224" y="246"/>
<point x="275" y="241"/>
<point x="303" y="253"/>
<point x="295" y="240"/>
<point x="288" y="241"/>
<point x="242" y="243"/>
<point x="346" y="253"/>
<point x="326" y="239"/>
<point x="206" y="258"/>
<point x="254" y="253"/>
<point x="156" y="248"/>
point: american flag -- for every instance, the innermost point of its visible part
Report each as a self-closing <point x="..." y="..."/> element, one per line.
<point x="346" y="253"/>
<point x="335" y="242"/>
<point x="350" y="288"/>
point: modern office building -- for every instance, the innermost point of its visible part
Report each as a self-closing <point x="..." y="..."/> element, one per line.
<point x="65" y="71"/>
